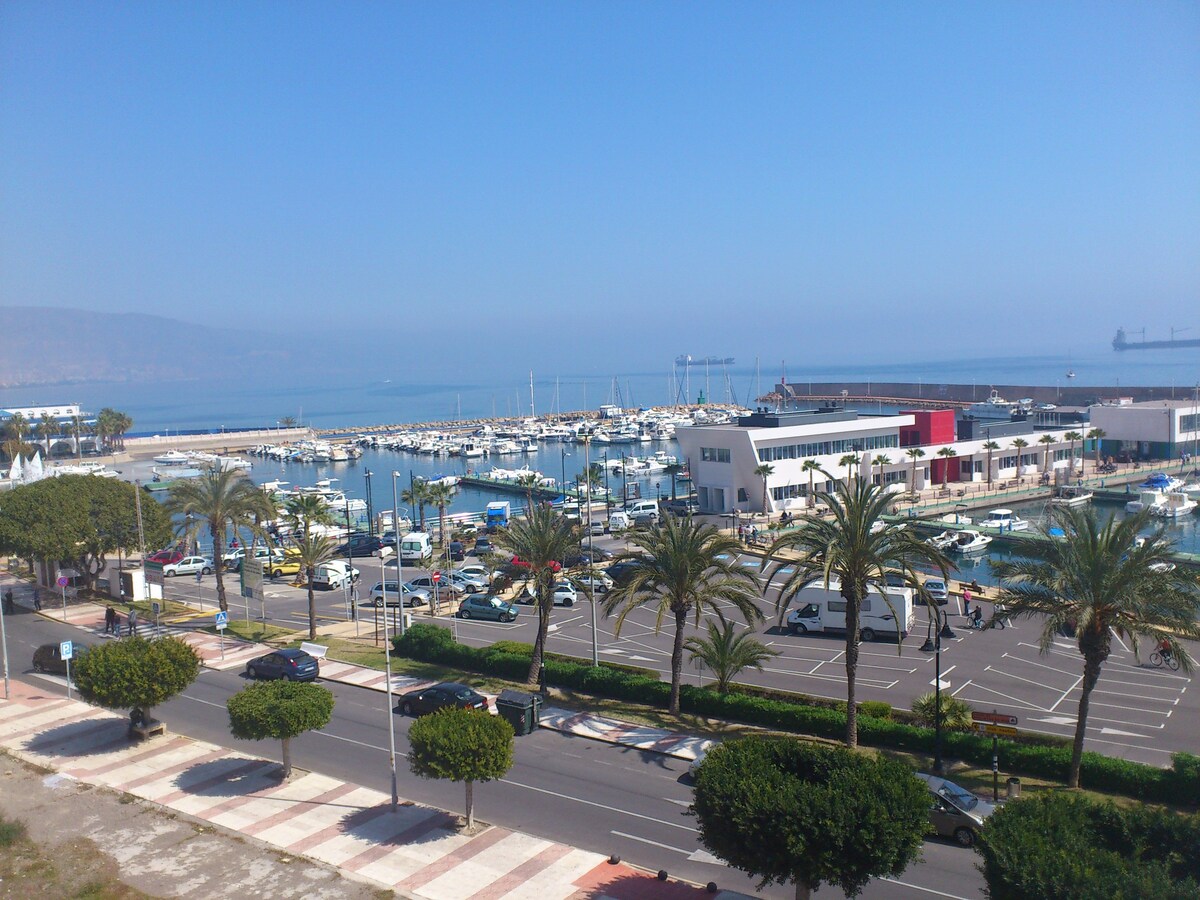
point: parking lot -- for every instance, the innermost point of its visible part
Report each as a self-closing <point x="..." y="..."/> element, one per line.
<point x="1137" y="711"/>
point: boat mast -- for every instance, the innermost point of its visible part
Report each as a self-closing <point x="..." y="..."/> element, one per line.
<point x="532" y="412"/>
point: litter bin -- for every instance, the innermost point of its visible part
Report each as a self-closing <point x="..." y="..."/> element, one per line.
<point x="1014" y="789"/>
<point x="520" y="710"/>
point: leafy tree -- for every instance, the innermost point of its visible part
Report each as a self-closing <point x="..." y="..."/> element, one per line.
<point x="1099" y="581"/>
<point x="78" y="520"/>
<point x="465" y="745"/>
<point x="1057" y="846"/>
<point x="1097" y="435"/>
<point x="765" y="471"/>
<point x="726" y="653"/>
<point x="781" y="810"/>
<point x="440" y="495"/>
<point x="1046" y="440"/>
<point x="280" y="710"/>
<point x="218" y="499"/>
<point x="111" y="428"/>
<point x="1019" y="444"/>
<point x="14" y="431"/>
<point x="810" y="466"/>
<point x="990" y="447"/>
<point x="946" y="453"/>
<point x="302" y="513"/>
<point x="854" y="551"/>
<point x="956" y="714"/>
<point x="539" y="542"/>
<point x="682" y="567"/>
<point x="134" y="673"/>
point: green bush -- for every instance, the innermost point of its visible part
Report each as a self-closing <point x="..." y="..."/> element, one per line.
<point x="877" y="709"/>
<point x="956" y="714"/>
<point x="10" y="831"/>
<point x="1027" y="754"/>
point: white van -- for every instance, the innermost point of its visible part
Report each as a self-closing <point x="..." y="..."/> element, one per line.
<point x="824" y="612"/>
<point x="334" y="574"/>
<point x="416" y="547"/>
<point x="618" y="521"/>
<point x="640" y="509"/>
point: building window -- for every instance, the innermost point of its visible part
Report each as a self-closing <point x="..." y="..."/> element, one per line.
<point x="789" y="492"/>
<point x="742" y="496"/>
<point x="1189" y="422"/>
<point x="714" y="454"/>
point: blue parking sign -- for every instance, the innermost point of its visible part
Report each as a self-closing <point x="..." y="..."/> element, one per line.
<point x="66" y="650"/>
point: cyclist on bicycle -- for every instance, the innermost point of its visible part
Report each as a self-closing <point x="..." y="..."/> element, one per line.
<point x="1164" y="649"/>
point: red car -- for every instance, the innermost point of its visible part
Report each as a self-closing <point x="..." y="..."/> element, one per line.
<point x="166" y="557"/>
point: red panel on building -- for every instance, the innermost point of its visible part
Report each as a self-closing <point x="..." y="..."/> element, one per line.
<point x="931" y="426"/>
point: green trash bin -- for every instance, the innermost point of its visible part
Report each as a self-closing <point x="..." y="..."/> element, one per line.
<point x="520" y="710"/>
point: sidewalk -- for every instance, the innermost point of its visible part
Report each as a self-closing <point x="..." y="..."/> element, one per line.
<point x="417" y="851"/>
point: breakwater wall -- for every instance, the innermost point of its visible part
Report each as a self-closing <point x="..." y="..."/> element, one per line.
<point x="931" y="393"/>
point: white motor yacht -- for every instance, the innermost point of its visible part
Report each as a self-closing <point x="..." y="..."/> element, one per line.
<point x="1004" y="520"/>
<point x="970" y="542"/>
<point x="172" y="458"/>
<point x="1071" y="496"/>
<point x="942" y="541"/>
<point x="1176" y="505"/>
<point x="1146" y="500"/>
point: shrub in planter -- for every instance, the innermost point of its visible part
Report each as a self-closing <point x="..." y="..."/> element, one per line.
<point x="876" y="708"/>
<point x="956" y="714"/>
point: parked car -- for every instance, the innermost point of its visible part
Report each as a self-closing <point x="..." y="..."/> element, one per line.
<point x="564" y="594"/>
<point x="456" y="552"/>
<point x="586" y="557"/>
<point x="334" y="574"/>
<point x="285" y="563"/>
<point x="447" y="693"/>
<point x="482" y="545"/>
<point x="233" y="559"/>
<point x="620" y="572"/>
<point x="443" y="588"/>
<point x="189" y="565"/>
<point x="46" y="658"/>
<point x="490" y="608"/>
<point x="682" y="507"/>
<point x="477" y="572"/>
<point x="597" y="527"/>
<point x="412" y="596"/>
<point x="165" y="556"/>
<point x="954" y="811"/>
<point x="596" y="581"/>
<point x="936" y="589"/>
<point x="288" y="664"/>
<point x="359" y="545"/>
<point x="466" y="582"/>
<point x="467" y="529"/>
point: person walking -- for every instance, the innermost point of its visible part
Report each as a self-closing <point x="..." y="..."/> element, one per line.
<point x="132" y="622"/>
<point x="37" y="598"/>
<point x="110" y="618"/>
<point x="9" y="607"/>
<point x="1000" y="615"/>
<point x="967" y="602"/>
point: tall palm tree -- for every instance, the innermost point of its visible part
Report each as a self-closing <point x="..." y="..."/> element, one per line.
<point x="15" y="429"/>
<point x="539" y="542"/>
<point x="991" y="447"/>
<point x="217" y="499"/>
<point x="1097" y="435"/>
<point x="682" y="567"/>
<point x="416" y="497"/>
<point x="441" y="495"/>
<point x="882" y="460"/>
<point x="530" y="482"/>
<point x="672" y="470"/>
<point x="1019" y="444"/>
<point x="726" y="653"/>
<point x="848" y="462"/>
<point x="853" y="551"/>
<point x="77" y="429"/>
<point x="48" y="427"/>
<point x="1073" y="436"/>
<point x="947" y="453"/>
<point x="914" y="453"/>
<point x="287" y="421"/>
<point x="1099" y="581"/>
<point x="765" y="471"/>
<point x="302" y="512"/>
<point x="1046" y="440"/>
<point x="810" y="466"/>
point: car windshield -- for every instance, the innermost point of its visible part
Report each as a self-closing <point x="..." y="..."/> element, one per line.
<point x="935" y="585"/>
<point x="463" y="694"/>
<point x="497" y="602"/>
<point x="964" y="800"/>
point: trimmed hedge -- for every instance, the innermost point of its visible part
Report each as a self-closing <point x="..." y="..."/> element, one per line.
<point x="1036" y="755"/>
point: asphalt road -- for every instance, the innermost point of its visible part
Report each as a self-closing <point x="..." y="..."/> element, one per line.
<point x="593" y="795"/>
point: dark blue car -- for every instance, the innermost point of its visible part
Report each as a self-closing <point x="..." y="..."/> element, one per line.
<point x="292" y="665"/>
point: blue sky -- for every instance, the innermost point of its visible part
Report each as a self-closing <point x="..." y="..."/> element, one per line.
<point x="605" y="185"/>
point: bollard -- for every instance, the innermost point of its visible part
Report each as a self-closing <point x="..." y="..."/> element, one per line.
<point x="662" y="874"/>
<point x="711" y="887"/>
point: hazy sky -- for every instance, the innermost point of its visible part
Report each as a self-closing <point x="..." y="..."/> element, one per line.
<point x="605" y="185"/>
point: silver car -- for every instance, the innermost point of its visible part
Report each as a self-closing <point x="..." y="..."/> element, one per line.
<point x="390" y="590"/>
<point x="954" y="811"/>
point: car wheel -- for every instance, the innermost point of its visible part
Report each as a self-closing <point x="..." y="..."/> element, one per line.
<point x="251" y="672"/>
<point x="868" y="634"/>
<point x="965" y="837"/>
<point x="464" y="614"/>
<point x="378" y="602"/>
<point x="407" y="708"/>
<point x="568" y="602"/>
<point x="206" y="571"/>
<point x="510" y="618"/>
<point x="170" y="573"/>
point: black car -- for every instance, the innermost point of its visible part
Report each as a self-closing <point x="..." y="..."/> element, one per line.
<point x="587" y="557"/>
<point x="621" y="572"/>
<point x="46" y="659"/>
<point x="456" y="551"/>
<point x="290" y="664"/>
<point x="447" y="693"/>
<point x="359" y="545"/>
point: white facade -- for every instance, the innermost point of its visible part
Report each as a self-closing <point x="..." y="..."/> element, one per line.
<point x="1159" y="428"/>
<point x="722" y="459"/>
<point x="62" y="411"/>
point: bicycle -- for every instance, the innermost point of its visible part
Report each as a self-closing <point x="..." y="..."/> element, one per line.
<point x="1157" y="659"/>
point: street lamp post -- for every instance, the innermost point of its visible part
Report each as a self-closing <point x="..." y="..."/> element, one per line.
<point x="587" y="467"/>
<point x="370" y="512"/>
<point x="607" y="495"/>
<point x="399" y="564"/>
<point x="940" y="626"/>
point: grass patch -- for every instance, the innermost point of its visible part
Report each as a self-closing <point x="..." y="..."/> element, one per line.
<point x="252" y="631"/>
<point x="10" y="832"/>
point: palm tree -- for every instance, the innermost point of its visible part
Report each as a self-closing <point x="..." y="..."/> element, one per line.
<point x="287" y="422"/>
<point x="1019" y="444"/>
<point x="947" y="453"/>
<point x="530" y="482"/>
<point x="882" y="460"/>
<point x="440" y="495"/>
<point x="219" y="498"/>
<point x="16" y="445"/>
<point x="47" y="427"/>
<point x="848" y="462"/>
<point x="1100" y="582"/>
<point x="539" y="542"/>
<point x="673" y="470"/>
<point x="990" y="447"/>
<point x="726" y="653"/>
<point x="914" y="453"/>
<point x="416" y="497"/>
<point x="682" y="567"/>
<point x="1097" y="435"/>
<point x="77" y="429"/>
<point x="851" y="553"/>
<point x="1073" y="436"/>
<point x="810" y="466"/>
<point x="1046" y="440"/>
<point x="302" y="512"/>
<point x="765" y="471"/>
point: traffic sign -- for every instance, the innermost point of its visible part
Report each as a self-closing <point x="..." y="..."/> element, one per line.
<point x="222" y="621"/>
<point x="66" y="650"/>
<point x="994" y="717"/>
<point x="436" y="577"/>
<point x="63" y="580"/>
<point x="155" y="609"/>
<point x="987" y="728"/>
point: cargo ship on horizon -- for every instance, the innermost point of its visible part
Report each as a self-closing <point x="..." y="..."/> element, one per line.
<point x="1121" y="342"/>
<point x="684" y="359"/>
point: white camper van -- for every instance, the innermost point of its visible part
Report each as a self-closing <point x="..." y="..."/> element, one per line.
<point x="416" y="547"/>
<point x="824" y="612"/>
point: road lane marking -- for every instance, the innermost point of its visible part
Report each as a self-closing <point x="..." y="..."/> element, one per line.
<point x="623" y="812"/>
<point x="634" y="837"/>
<point x="917" y="887"/>
<point x="1078" y="681"/>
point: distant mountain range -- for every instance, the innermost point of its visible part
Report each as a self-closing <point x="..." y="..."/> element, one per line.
<point x="50" y="345"/>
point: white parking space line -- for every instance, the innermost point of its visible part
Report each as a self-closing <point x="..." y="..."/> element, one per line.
<point x="1030" y="662"/>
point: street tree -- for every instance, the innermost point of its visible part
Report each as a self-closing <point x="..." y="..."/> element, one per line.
<point x="991" y="447"/>
<point x="217" y="500"/>
<point x="441" y="494"/>
<point x="811" y="466"/>
<point x="851" y="553"/>
<point x="882" y="460"/>
<point x="466" y="745"/>
<point x="1019" y="444"/>
<point x="726" y="653"/>
<point x="77" y="520"/>
<point x="683" y="568"/>
<point x="416" y="496"/>
<point x="1100" y="581"/>
<point x="302" y="513"/>
<point x="279" y="710"/>
<point x="1073" y="436"/>
<point x="765" y="471"/>
<point x="135" y="674"/>
<point x="848" y="462"/>
<point x="1098" y="435"/>
<point x="672" y="471"/>
<point x="946" y="453"/>
<point x="1047" y="441"/>
<point x="786" y="811"/>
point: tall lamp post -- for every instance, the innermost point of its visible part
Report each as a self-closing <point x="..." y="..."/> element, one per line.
<point x="587" y="467"/>
<point x="607" y="494"/>
<point x="939" y="628"/>
<point x="399" y="566"/>
<point x="370" y="512"/>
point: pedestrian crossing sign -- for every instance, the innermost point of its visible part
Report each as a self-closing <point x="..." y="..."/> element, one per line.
<point x="222" y="620"/>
